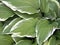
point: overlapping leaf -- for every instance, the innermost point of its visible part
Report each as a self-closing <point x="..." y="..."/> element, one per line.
<point x="25" y="15"/>
<point x="23" y="30"/>
<point x="8" y="27"/>
<point x="53" y="6"/>
<point x="53" y="10"/>
<point x="44" y="6"/>
<point x="21" y="27"/>
<point x="24" y="6"/>
<point x="44" y="30"/>
<point x="5" y="12"/>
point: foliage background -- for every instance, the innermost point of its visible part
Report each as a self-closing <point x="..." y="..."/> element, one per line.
<point x="29" y="22"/>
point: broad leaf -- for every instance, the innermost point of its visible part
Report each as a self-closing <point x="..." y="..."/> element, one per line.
<point x="5" y="12"/>
<point x="24" y="6"/>
<point x="21" y="27"/>
<point x="44" y="30"/>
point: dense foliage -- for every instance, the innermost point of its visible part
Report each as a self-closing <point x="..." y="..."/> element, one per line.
<point x="29" y="22"/>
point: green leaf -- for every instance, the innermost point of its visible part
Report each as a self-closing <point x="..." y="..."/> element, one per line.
<point x="44" y="6"/>
<point x="24" y="6"/>
<point x="53" y="6"/>
<point x="5" y="12"/>
<point x="8" y="27"/>
<point x="6" y="40"/>
<point x="21" y="27"/>
<point x="44" y="30"/>
<point x="52" y="41"/>
<point x="25" y="15"/>
<point x="53" y="10"/>
<point x="51" y="15"/>
<point x="24" y="42"/>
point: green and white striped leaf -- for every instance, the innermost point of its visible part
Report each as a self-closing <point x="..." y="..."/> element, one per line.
<point x="44" y="30"/>
<point x="8" y="27"/>
<point x="21" y="27"/>
<point x="5" y="12"/>
<point x="25" y="15"/>
<point x="23" y="6"/>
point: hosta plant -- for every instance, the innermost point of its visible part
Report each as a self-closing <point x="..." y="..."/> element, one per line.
<point x="29" y="22"/>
